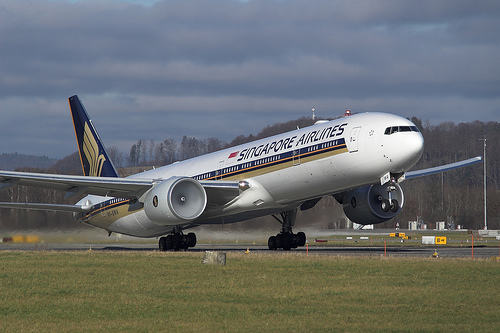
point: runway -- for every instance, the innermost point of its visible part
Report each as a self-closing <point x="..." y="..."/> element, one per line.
<point x="370" y="251"/>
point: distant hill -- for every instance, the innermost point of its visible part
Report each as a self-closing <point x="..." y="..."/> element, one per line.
<point x="12" y="161"/>
<point x="69" y="165"/>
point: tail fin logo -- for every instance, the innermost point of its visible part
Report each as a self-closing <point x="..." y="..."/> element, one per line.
<point x="91" y="151"/>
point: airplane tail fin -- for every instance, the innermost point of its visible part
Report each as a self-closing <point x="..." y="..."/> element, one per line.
<point x="93" y="156"/>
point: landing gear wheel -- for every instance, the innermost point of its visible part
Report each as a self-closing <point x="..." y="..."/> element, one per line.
<point x="279" y="241"/>
<point x="394" y="205"/>
<point x="301" y="239"/>
<point x="191" y="239"/>
<point x="271" y="243"/>
<point x="169" y="242"/>
<point x="177" y="242"/>
<point x="287" y="240"/>
<point x="162" y="244"/>
<point x="386" y="206"/>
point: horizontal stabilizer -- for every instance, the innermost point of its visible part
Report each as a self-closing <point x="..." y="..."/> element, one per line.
<point x="51" y="207"/>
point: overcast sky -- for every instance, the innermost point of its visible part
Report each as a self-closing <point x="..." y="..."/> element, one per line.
<point x="220" y="68"/>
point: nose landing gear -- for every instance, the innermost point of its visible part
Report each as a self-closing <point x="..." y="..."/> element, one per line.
<point x="389" y="204"/>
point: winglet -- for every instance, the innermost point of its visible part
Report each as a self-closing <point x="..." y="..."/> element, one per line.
<point x="93" y="156"/>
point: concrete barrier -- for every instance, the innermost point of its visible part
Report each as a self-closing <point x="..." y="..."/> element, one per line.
<point x="214" y="258"/>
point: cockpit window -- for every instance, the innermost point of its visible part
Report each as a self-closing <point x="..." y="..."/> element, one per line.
<point x="395" y="129"/>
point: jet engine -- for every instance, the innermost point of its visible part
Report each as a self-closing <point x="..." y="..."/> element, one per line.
<point x="175" y="201"/>
<point x="373" y="204"/>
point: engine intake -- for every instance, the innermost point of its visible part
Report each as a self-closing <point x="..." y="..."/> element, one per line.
<point x="175" y="201"/>
<point x="371" y="204"/>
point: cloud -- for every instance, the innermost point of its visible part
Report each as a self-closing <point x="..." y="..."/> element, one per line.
<point x="220" y="68"/>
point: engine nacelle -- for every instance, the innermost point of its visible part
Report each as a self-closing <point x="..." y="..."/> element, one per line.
<point x="371" y="204"/>
<point x="175" y="201"/>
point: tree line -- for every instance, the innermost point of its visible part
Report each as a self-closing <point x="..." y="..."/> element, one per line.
<point x="149" y="152"/>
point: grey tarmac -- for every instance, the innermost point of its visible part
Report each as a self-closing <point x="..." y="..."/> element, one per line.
<point x="369" y="251"/>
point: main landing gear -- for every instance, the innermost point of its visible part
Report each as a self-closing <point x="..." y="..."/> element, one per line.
<point x="286" y="239"/>
<point x="177" y="241"/>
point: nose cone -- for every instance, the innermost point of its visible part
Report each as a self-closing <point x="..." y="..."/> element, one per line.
<point x="404" y="147"/>
<point x="413" y="147"/>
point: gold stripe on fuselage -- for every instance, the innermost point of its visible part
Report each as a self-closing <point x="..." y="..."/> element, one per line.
<point x="104" y="216"/>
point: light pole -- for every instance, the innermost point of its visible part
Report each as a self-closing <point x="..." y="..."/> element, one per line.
<point x="484" y="171"/>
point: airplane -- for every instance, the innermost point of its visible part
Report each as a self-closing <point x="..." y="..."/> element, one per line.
<point x="359" y="159"/>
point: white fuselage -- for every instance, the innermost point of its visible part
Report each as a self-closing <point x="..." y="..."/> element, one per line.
<point x="284" y="170"/>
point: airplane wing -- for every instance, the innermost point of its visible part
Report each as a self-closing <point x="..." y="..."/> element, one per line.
<point x="218" y="192"/>
<point x="442" y="168"/>
<point x="110" y="186"/>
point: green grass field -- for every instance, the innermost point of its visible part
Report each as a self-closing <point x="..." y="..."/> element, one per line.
<point x="283" y="292"/>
